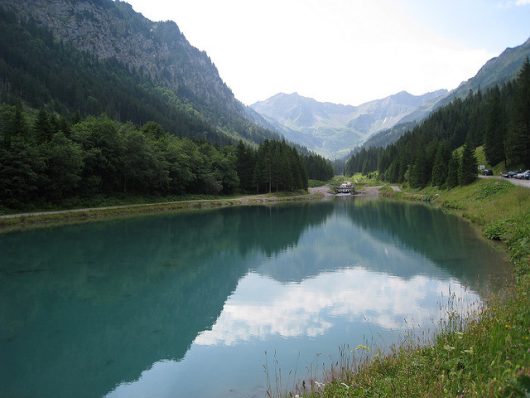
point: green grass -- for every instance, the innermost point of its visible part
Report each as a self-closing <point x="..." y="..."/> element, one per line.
<point x="490" y="356"/>
<point x="105" y="201"/>
<point x="12" y="222"/>
<point x="316" y="183"/>
<point x="480" y="155"/>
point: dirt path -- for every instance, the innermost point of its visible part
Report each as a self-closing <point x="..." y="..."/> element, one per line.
<point x="324" y="190"/>
<point x="514" y="181"/>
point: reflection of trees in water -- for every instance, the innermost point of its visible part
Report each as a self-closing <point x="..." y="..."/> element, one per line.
<point x="107" y="300"/>
<point x="448" y="242"/>
<point x="86" y="307"/>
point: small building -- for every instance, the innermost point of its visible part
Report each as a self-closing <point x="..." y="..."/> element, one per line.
<point x="346" y="187"/>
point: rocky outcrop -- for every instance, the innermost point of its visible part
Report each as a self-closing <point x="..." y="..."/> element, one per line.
<point x="156" y="50"/>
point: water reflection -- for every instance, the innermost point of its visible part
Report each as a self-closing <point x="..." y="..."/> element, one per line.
<point x="168" y="301"/>
<point x="312" y="307"/>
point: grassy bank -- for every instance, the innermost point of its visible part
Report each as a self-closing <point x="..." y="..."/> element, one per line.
<point x="10" y="222"/>
<point x="490" y="357"/>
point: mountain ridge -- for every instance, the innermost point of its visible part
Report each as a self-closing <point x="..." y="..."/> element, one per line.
<point x="496" y="71"/>
<point x="335" y="129"/>
<point x="158" y="52"/>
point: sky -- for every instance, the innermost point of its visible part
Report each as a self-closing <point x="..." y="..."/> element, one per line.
<point x="345" y="51"/>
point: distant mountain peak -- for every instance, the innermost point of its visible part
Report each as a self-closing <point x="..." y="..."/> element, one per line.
<point x="334" y="129"/>
<point x="498" y="70"/>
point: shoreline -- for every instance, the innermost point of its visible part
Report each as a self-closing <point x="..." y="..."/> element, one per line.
<point x="40" y="219"/>
<point x="487" y="356"/>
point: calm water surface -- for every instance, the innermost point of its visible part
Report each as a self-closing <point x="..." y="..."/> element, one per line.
<point x="194" y="305"/>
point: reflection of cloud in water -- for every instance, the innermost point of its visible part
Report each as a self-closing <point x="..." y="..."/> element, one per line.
<point x="264" y="307"/>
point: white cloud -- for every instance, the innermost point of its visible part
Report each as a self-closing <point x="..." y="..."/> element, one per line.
<point x="522" y="2"/>
<point x="311" y="307"/>
<point x="339" y="50"/>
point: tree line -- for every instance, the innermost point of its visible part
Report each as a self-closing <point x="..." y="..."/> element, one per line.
<point x="45" y="158"/>
<point x="498" y="119"/>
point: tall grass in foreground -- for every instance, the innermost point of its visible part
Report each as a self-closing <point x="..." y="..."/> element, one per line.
<point x="455" y="313"/>
<point x="483" y="356"/>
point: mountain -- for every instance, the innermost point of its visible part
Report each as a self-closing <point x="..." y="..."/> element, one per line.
<point x="153" y="69"/>
<point x="496" y="71"/>
<point x="389" y="136"/>
<point x="333" y="130"/>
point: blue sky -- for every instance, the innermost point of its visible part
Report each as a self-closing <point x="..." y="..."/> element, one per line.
<point x="493" y="25"/>
<point x="345" y="51"/>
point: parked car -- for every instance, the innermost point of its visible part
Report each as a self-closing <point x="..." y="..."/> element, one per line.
<point x="525" y="175"/>
<point x="487" y="172"/>
<point x="509" y="174"/>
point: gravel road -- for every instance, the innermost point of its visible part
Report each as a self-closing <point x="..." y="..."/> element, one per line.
<point x="514" y="181"/>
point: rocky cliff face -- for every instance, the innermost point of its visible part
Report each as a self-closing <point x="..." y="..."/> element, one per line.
<point x="157" y="50"/>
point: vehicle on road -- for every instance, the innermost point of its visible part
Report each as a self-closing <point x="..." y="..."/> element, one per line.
<point x="510" y="174"/>
<point x="525" y="175"/>
<point x="487" y="172"/>
<point x="521" y="175"/>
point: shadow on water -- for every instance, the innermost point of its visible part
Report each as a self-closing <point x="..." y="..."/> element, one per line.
<point x="447" y="241"/>
<point x="84" y="308"/>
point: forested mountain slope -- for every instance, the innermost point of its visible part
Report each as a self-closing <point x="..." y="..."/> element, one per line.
<point x="96" y="56"/>
<point x="498" y="119"/>
<point x="496" y="71"/>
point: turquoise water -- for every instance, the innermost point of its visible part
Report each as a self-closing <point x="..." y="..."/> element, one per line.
<point x="205" y="304"/>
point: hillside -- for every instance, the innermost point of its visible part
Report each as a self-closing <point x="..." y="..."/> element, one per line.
<point x="334" y="129"/>
<point x="101" y="56"/>
<point x="497" y="119"/>
<point x="496" y="71"/>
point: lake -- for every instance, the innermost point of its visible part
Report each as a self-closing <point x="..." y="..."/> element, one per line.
<point x="207" y="303"/>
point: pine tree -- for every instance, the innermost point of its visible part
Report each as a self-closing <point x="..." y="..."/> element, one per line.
<point x="495" y="126"/>
<point x="452" y="172"/>
<point x="245" y="165"/>
<point x="518" y="138"/>
<point x="42" y="126"/>
<point x="468" y="166"/>
<point x="418" y="172"/>
<point x="440" y="167"/>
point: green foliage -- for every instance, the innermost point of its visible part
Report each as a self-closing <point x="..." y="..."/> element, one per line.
<point x="452" y="171"/>
<point x="499" y="119"/>
<point x="486" y="356"/>
<point x="493" y="188"/>
<point x="495" y="230"/>
<point x="99" y="156"/>
<point x="364" y="161"/>
<point x="318" y="167"/>
<point x="279" y="168"/>
<point x="495" y="129"/>
<point x="46" y="73"/>
<point x="467" y="171"/>
<point x="518" y="139"/>
<point x="441" y="165"/>
<point x="419" y="173"/>
<point x="315" y="183"/>
<point x="245" y="165"/>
